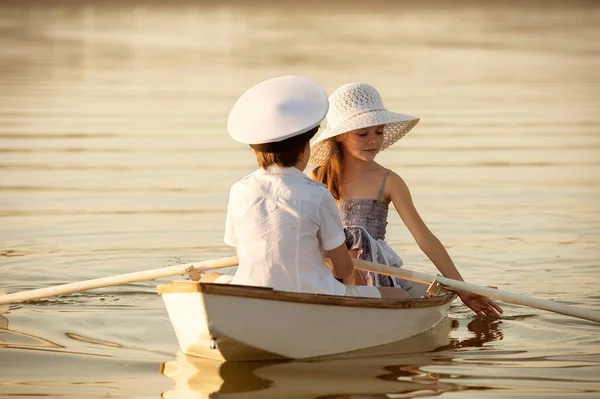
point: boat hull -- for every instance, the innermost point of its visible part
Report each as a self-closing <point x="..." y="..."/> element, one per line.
<point x="239" y="323"/>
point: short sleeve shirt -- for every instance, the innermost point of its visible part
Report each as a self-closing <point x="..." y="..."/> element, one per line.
<point x="280" y="221"/>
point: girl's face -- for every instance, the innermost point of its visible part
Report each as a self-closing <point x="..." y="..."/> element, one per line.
<point x="363" y="144"/>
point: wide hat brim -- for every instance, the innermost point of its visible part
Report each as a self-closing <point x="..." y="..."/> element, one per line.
<point x="396" y="127"/>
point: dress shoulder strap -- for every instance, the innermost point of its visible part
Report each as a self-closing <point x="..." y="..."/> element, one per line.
<point x="387" y="172"/>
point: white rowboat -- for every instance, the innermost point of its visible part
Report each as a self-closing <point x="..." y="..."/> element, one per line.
<point x="241" y="323"/>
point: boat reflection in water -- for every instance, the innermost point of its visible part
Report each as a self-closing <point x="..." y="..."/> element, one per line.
<point x="399" y="371"/>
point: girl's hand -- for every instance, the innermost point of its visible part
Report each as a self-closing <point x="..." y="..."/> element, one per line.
<point x="482" y="305"/>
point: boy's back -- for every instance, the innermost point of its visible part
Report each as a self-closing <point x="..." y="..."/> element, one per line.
<point x="278" y="218"/>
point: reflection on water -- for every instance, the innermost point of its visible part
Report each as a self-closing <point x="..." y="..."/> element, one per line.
<point x="483" y="330"/>
<point x="319" y="378"/>
<point x="402" y="373"/>
<point x="114" y="158"/>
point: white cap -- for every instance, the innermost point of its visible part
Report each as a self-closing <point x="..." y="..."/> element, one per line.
<point x="277" y="110"/>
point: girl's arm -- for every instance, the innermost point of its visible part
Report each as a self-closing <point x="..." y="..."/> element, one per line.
<point x="432" y="247"/>
<point x="427" y="241"/>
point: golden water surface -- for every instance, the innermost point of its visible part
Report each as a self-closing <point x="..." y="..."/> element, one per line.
<point x="114" y="158"/>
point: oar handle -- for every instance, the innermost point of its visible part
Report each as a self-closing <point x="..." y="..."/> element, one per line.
<point x="506" y="296"/>
<point x="120" y="279"/>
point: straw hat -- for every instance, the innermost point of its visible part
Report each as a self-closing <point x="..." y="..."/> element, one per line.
<point x="358" y="106"/>
<point x="278" y="114"/>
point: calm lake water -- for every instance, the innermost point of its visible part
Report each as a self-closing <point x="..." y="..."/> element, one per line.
<point x="114" y="158"/>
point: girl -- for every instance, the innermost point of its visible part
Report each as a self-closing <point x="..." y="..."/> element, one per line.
<point x="359" y="128"/>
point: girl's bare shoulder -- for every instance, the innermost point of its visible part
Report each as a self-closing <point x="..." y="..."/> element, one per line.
<point x="394" y="178"/>
<point x="394" y="185"/>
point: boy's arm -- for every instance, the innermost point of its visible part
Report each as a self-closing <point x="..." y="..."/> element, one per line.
<point x="341" y="263"/>
<point x="333" y="239"/>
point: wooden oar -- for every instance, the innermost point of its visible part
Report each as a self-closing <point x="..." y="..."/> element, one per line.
<point x="119" y="279"/>
<point x="504" y="296"/>
<point x="153" y="274"/>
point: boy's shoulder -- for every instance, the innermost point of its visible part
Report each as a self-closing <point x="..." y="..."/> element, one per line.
<point x="243" y="183"/>
<point x="314" y="190"/>
<point x="317" y="185"/>
<point x="248" y="176"/>
<point x="303" y="183"/>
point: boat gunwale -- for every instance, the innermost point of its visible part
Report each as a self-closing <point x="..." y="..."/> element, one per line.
<point x="268" y="293"/>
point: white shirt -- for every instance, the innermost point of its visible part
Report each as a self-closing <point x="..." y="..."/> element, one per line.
<point x="280" y="220"/>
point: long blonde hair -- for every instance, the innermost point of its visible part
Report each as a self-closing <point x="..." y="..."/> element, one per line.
<point x="331" y="172"/>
